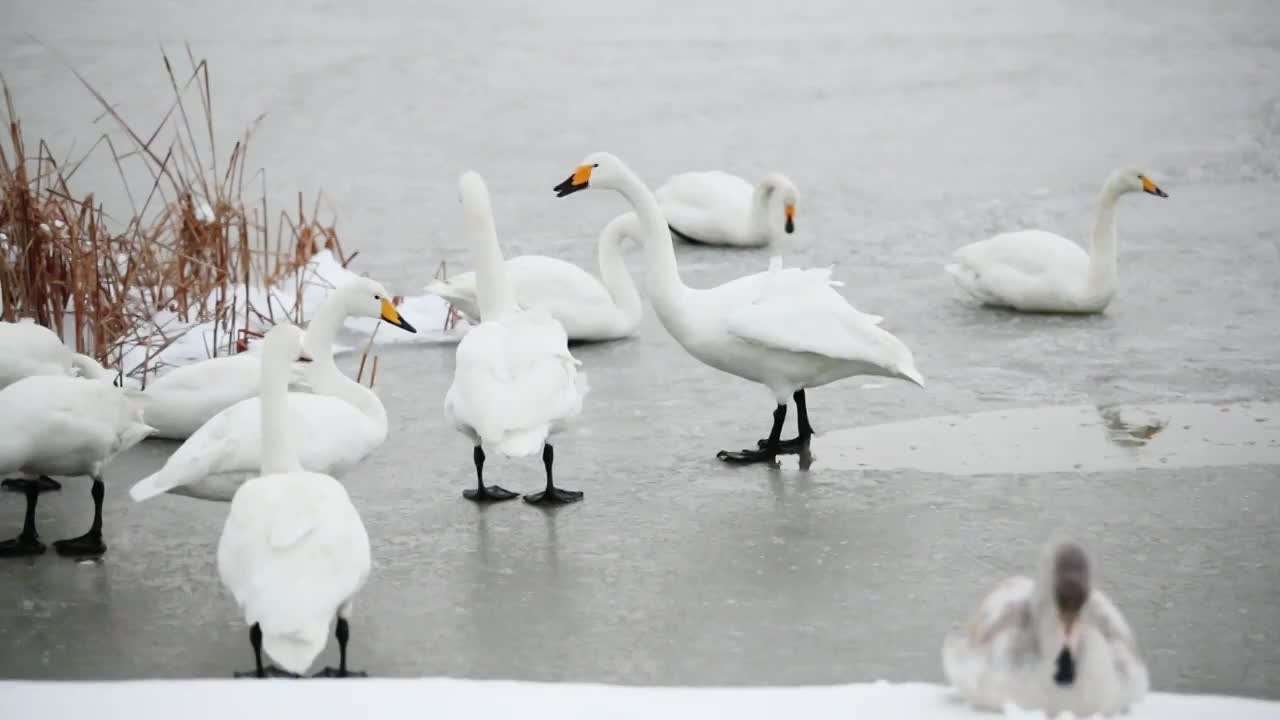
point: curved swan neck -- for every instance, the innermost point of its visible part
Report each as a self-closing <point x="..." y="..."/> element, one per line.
<point x="332" y="382"/>
<point x="663" y="278"/>
<point x="761" y="199"/>
<point x="493" y="288"/>
<point x="278" y="452"/>
<point x="613" y="271"/>
<point x="1102" y="244"/>
<point x="323" y="329"/>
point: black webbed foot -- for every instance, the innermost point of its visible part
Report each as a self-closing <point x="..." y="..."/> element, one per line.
<point x="490" y="493"/>
<point x="553" y="496"/>
<point x="88" y="545"/>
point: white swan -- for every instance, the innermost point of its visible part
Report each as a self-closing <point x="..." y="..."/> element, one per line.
<point x="68" y="427"/>
<point x="1038" y="271"/>
<point x="334" y="427"/>
<point x="1053" y="644"/>
<point x="716" y="208"/>
<point x="293" y="551"/>
<point x="28" y="348"/>
<point x="589" y="310"/>
<point x="187" y="397"/>
<point x="515" y="382"/>
<point x="786" y="329"/>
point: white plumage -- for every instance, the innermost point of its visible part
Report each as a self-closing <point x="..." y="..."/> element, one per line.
<point x="589" y="309"/>
<point x="293" y="551"/>
<point x="717" y="208"/>
<point x="28" y="348"/>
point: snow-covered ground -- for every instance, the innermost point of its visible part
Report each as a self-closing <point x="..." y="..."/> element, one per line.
<point x="438" y="699"/>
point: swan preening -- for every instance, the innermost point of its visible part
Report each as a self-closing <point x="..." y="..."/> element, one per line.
<point x="189" y="396"/>
<point x="293" y="551"/>
<point x="515" y="383"/>
<point x="1054" y="643"/>
<point x="590" y="310"/>
<point x="1038" y="271"/>
<point x="786" y="329"/>
<point x="334" y="426"/>
<point x="60" y="426"/>
<point x="717" y="208"/>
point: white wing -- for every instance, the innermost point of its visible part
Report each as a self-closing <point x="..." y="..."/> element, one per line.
<point x="710" y="205"/>
<point x="1012" y="267"/>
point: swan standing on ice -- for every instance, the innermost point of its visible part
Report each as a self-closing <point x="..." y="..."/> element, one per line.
<point x="293" y="551"/>
<point x="334" y="426"/>
<point x="1053" y="644"/>
<point x="66" y="427"/>
<point x="515" y="382"/>
<point x="28" y="348"/>
<point x="786" y="329"/>
<point x="1038" y="271"/>
<point x="716" y="208"/>
<point x="187" y="397"/>
<point x="589" y="310"/>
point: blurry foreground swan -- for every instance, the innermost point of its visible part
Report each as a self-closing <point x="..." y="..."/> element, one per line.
<point x="334" y="427"/>
<point x="590" y="310"/>
<point x="1053" y="644"/>
<point x="65" y="427"/>
<point x="786" y="329"/>
<point x="717" y="208"/>
<point x="1038" y="271"/>
<point x="294" y="551"/>
<point x="189" y="396"/>
<point x="515" y="383"/>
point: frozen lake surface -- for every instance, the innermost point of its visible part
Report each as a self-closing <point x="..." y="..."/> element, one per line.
<point x="910" y="130"/>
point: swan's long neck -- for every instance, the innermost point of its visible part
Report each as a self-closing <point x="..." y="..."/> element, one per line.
<point x="666" y="290"/>
<point x="760" y="202"/>
<point x="613" y="271"/>
<point x="278" y="452"/>
<point x="327" y="379"/>
<point x="322" y="331"/>
<point x="1102" y="246"/>
<point x="493" y="288"/>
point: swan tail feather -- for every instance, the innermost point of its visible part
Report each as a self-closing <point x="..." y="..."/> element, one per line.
<point x="523" y="443"/>
<point x="295" y="651"/>
<point x="90" y="368"/>
<point x="150" y="486"/>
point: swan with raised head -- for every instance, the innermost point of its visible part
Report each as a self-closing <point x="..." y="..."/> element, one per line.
<point x="293" y="551"/>
<point x="786" y="329"/>
<point x="189" y="396"/>
<point x="334" y="426"/>
<point x="589" y="310"/>
<point x="1038" y="271"/>
<point x="717" y="208"/>
<point x="28" y="348"/>
<point x="1055" y="644"/>
<point x="514" y="383"/>
<point x="54" y="425"/>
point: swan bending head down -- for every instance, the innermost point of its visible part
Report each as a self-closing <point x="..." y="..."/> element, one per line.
<point x="1068" y="580"/>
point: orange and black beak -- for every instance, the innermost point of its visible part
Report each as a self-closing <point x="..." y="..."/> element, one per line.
<point x="1151" y="188"/>
<point x="391" y="315"/>
<point x="579" y="180"/>
<point x="790" y="212"/>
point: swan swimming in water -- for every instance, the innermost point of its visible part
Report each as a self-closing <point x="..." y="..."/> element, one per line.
<point x="1038" y="271"/>
<point x="293" y="551"/>
<point x="1054" y="644"/>
<point x="717" y="208"/>
<point x="786" y="329"/>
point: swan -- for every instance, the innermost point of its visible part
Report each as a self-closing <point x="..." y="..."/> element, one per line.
<point x="28" y="348"/>
<point x="514" y="382"/>
<point x="786" y="329"/>
<point x="589" y="310"/>
<point x="293" y="551"/>
<point x="1038" y="271"/>
<point x="187" y="397"/>
<point x="65" y="426"/>
<point x="1053" y="644"/>
<point x="334" y="427"/>
<point x="717" y="208"/>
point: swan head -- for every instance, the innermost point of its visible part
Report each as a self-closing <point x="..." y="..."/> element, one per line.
<point x="1069" y="585"/>
<point x="787" y="190"/>
<point x="365" y="297"/>
<point x="285" y="341"/>
<point x="1130" y="179"/>
<point x="600" y="168"/>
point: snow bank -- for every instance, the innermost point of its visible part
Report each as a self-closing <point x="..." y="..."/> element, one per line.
<point x="173" y="342"/>
<point x="475" y="700"/>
